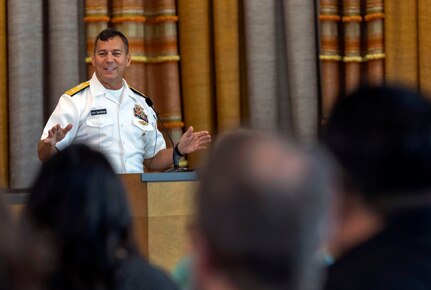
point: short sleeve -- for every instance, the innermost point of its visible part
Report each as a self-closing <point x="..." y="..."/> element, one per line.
<point x="66" y="112"/>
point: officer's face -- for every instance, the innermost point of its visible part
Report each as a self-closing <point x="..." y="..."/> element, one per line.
<point x="110" y="60"/>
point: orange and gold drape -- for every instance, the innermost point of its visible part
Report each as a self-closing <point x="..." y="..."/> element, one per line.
<point x="407" y="41"/>
<point x="351" y="47"/>
<point x="196" y="66"/>
<point x="209" y="45"/>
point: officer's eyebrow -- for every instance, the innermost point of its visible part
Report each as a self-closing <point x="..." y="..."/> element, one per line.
<point x="105" y="50"/>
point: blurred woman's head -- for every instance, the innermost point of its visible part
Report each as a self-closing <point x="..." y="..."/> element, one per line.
<point x="78" y="199"/>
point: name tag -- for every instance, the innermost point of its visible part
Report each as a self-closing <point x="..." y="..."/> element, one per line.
<point x="98" y="112"/>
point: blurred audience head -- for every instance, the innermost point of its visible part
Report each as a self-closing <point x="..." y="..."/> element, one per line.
<point x="80" y="202"/>
<point x="381" y="137"/>
<point x="260" y="214"/>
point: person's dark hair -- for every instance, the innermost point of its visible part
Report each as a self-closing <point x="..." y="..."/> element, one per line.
<point x="110" y="33"/>
<point x="381" y="136"/>
<point x="259" y="221"/>
<point x="78" y="199"/>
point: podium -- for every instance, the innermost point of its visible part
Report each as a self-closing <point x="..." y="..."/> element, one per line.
<point x="162" y="204"/>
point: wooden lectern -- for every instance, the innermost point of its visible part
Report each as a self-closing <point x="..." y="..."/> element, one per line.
<point x="162" y="204"/>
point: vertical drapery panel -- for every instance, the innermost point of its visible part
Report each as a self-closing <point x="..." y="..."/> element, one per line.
<point x="226" y="57"/>
<point x="261" y="57"/>
<point x="196" y="67"/>
<point x="25" y="55"/>
<point x="96" y="19"/>
<point x="407" y="42"/>
<point x="356" y="41"/>
<point x="281" y="62"/>
<point x="63" y="68"/>
<point x="401" y="42"/>
<point x="161" y="68"/>
<point x="424" y="11"/>
<point x="4" y="151"/>
<point x="128" y="17"/>
<point x="330" y="54"/>
<point x="300" y="37"/>
<point x="375" y="45"/>
<point x="352" y="21"/>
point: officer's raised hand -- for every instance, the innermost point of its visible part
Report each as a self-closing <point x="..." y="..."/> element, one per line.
<point x="193" y="141"/>
<point x="55" y="134"/>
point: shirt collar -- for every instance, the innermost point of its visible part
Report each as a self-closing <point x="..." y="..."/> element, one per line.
<point x="97" y="89"/>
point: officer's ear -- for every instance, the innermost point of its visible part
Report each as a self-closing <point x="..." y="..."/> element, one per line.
<point x="129" y="59"/>
<point x="93" y="59"/>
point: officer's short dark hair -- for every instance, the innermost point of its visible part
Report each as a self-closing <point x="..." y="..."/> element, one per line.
<point x="110" y="33"/>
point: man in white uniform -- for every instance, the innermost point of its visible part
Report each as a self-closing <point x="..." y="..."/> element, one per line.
<point x="108" y="115"/>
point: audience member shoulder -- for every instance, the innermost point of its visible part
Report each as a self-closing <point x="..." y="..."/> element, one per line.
<point x="71" y="92"/>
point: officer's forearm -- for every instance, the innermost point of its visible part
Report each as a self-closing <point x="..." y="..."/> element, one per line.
<point x="161" y="161"/>
<point x="45" y="150"/>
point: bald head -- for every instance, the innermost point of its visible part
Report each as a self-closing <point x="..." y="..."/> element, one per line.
<point x="259" y="206"/>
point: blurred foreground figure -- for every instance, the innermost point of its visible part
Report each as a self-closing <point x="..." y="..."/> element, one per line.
<point x="80" y="202"/>
<point x="382" y="139"/>
<point x="260" y="216"/>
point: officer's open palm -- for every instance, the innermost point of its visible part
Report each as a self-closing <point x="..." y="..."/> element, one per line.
<point x="193" y="141"/>
<point x="56" y="134"/>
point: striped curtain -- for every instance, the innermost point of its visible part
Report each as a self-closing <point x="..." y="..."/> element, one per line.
<point x="96" y="19"/>
<point x="351" y="47"/>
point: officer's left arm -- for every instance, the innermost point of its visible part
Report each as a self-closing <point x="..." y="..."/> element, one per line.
<point x="189" y="143"/>
<point x="161" y="161"/>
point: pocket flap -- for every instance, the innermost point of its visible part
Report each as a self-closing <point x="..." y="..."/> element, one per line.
<point x="141" y="124"/>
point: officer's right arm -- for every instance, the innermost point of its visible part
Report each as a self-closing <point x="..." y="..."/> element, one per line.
<point x="66" y="113"/>
<point x="46" y="147"/>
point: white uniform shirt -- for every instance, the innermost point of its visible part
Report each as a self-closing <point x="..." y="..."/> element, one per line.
<point x="125" y="130"/>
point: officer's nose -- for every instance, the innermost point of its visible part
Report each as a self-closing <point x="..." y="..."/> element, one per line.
<point x="109" y="58"/>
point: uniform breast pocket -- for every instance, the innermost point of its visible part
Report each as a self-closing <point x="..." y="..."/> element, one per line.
<point x="143" y="130"/>
<point x="100" y="131"/>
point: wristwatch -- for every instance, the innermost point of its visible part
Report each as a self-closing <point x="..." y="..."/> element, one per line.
<point x="177" y="156"/>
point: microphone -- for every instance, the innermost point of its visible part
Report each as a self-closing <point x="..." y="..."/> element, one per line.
<point x="176" y="167"/>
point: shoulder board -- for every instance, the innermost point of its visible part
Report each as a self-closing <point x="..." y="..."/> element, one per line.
<point x="138" y="92"/>
<point x="77" y="89"/>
